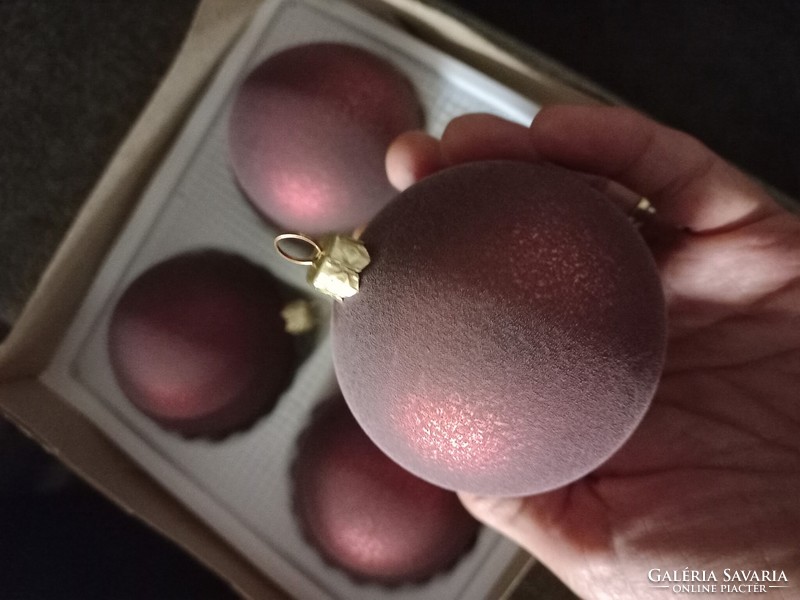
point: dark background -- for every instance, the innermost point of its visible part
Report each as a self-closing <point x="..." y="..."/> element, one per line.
<point x="74" y="76"/>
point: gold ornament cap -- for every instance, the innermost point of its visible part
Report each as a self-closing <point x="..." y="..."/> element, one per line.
<point x="334" y="263"/>
<point x="298" y="317"/>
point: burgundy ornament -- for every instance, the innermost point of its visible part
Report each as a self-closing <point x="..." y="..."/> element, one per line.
<point x="197" y="343"/>
<point x="367" y="515"/>
<point x="308" y="132"/>
<point x="509" y="331"/>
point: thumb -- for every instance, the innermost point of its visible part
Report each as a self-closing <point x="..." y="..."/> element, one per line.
<point x="568" y="542"/>
<point x="516" y="519"/>
<point x="508" y="516"/>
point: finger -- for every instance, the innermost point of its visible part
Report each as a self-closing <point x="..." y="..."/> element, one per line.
<point x="412" y="156"/>
<point x="485" y="137"/>
<point x="520" y="520"/>
<point x="505" y="515"/>
<point x="687" y="183"/>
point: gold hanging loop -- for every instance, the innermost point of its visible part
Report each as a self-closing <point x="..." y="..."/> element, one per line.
<point x="302" y="261"/>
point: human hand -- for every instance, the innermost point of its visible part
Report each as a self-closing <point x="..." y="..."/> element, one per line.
<point x="711" y="478"/>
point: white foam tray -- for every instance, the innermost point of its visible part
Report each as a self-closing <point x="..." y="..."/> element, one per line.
<point x="240" y="485"/>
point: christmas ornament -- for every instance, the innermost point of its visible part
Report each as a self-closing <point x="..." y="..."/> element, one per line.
<point x="308" y="131"/>
<point x="197" y="343"/>
<point x="509" y="332"/>
<point x="364" y="513"/>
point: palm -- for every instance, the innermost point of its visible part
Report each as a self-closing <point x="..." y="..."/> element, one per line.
<point x="714" y="439"/>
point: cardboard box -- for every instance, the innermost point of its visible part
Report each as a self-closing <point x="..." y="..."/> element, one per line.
<point x="46" y="417"/>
